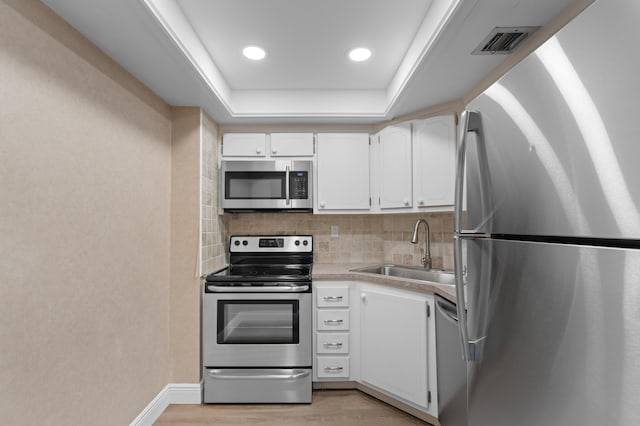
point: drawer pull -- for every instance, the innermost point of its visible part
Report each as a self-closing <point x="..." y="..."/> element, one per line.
<point x="242" y="375"/>
<point x="333" y="322"/>
<point x="332" y="298"/>
<point x="333" y="369"/>
<point x="330" y="345"/>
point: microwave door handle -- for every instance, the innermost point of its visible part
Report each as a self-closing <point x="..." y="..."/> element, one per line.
<point x="286" y="184"/>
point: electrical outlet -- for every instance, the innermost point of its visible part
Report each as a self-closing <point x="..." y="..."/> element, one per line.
<point x="335" y="231"/>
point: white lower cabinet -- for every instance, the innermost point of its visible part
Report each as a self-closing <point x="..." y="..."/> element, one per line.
<point x="395" y="343"/>
<point x="388" y="343"/>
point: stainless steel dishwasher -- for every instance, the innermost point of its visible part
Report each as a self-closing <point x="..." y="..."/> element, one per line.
<point x="452" y="370"/>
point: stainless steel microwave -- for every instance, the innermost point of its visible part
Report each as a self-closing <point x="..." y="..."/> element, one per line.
<point x="266" y="185"/>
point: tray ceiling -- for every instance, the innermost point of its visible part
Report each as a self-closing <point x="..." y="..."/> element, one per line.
<point x="189" y="52"/>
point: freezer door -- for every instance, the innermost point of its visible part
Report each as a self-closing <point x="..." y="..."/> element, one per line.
<point x="560" y="134"/>
<point x="556" y="334"/>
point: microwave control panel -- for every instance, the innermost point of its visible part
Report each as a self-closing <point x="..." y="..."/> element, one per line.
<point x="298" y="183"/>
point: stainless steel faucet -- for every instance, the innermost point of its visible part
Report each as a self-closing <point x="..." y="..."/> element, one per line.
<point x="426" y="253"/>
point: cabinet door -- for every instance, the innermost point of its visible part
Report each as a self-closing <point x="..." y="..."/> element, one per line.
<point x="434" y="161"/>
<point x="394" y="343"/>
<point x="244" y="144"/>
<point x="343" y="171"/>
<point x="291" y="144"/>
<point x="394" y="167"/>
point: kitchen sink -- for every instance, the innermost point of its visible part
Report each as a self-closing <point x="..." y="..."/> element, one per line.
<point x="439" y="276"/>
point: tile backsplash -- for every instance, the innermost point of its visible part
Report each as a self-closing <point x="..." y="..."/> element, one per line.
<point x="360" y="238"/>
<point x="213" y="236"/>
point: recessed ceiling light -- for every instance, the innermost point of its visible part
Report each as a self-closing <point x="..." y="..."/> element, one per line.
<point x="254" y="53"/>
<point x="359" y="54"/>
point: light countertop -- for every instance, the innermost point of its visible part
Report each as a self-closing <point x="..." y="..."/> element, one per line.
<point x="343" y="272"/>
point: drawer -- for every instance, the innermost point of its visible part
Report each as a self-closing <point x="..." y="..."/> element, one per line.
<point x="333" y="367"/>
<point x="257" y="385"/>
<point x="333" y="319"/>
<point x="332" y="343"/>
<point x="332" y="297"/>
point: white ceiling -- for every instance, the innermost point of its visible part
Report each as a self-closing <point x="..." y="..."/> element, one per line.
<point x="302" y="37"/>
<point x="189" y="52"/>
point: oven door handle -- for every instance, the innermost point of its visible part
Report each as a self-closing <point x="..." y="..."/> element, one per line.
<point x="257" y="289"/>
<point x="251" y="375"/>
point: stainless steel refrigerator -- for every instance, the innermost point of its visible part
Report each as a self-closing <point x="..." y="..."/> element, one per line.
<point x="547" y="220"/>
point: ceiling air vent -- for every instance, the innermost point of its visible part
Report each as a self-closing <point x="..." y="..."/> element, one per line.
<point x="502" y="40"/>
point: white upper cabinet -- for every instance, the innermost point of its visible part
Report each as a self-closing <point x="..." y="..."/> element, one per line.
<point x="342" y="172"/>
<point x="262" y="145"/>
<point x="434" y="159"/>
<point x="392" y="167"/>
<point x="291" y="145"/>
<point x="244" y="144"/>
<point x="407" y="167"/>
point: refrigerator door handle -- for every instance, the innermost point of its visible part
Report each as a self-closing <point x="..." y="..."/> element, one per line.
<point x="471" y="349"/>
<point x="461" y="303"/>
<point x="470" y="120"/>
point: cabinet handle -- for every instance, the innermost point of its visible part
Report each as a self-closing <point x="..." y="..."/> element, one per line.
<point x="258" y="151"/>
<point x="332" y="298"/>
<point x="322" y="204"/>
<point x="333" y="369"/>
<point x="421" y="202"/>
<point x="406" y="202"/>
<point x="274" y="151"/>
<point x="329" y="345"/>
<point x="338" y="321"/>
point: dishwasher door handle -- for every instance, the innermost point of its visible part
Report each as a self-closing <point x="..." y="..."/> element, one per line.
<point x="448" y="310"/>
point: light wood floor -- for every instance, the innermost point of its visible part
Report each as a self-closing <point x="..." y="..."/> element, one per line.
<point x="329" y="408"/>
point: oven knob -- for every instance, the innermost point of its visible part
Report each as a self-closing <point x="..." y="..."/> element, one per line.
<point x="237" y="243"/>
<point x="245" y="242"/>
<point x="305" y="243"/>
<point x="297" y="242"/>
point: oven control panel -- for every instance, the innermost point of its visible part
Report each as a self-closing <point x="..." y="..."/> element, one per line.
<point x="271" y="243"/>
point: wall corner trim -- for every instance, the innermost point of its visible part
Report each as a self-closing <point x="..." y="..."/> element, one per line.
<point x="173" y="393"/>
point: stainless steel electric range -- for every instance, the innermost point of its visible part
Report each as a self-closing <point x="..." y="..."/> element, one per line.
<point x="256" y="322"/>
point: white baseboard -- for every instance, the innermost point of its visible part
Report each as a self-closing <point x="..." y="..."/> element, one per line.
<point x="173" y="393"/>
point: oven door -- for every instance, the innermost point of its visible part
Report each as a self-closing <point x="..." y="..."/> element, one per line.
<point x="256" y="330"/>
<point x="256" y="185"/>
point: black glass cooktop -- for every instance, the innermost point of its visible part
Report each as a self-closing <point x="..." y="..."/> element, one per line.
<point x="261" y="273"/>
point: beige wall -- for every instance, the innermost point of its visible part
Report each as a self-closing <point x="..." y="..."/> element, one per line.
<point x="361" y="239"/>
<point x="85" y="167"/>
<point x="184" y="311"/>
<point x="195" y="229"/>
